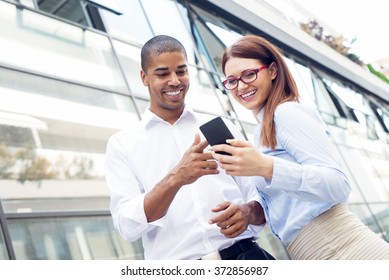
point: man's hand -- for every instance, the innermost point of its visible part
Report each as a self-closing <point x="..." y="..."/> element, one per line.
<point x="194" y="163"/>
<point x="234" y="219"/>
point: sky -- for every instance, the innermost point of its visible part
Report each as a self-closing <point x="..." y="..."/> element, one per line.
<point x="367" y="21"/>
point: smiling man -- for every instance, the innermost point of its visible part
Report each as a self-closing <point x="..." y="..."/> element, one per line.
<point x="164" y="188"/>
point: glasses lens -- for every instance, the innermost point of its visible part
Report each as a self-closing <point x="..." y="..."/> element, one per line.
<point x="230" y="83"/>
<point x="249" y="76"/>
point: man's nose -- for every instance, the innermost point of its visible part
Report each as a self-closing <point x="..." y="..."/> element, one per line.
<point x="173" y="80"/>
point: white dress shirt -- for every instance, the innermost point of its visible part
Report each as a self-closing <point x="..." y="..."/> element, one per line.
<point x="138" y="158"/>
<point x="307" y="180"/>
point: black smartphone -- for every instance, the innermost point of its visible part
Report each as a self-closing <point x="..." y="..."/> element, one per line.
<point x="216" y="132"/>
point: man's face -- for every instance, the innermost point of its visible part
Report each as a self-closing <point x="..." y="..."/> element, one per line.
<point x="167" y="79"/>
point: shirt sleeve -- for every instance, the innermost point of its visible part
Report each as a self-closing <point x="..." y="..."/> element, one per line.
<point x="127" y="195"/>
<point x="313" y="175"/>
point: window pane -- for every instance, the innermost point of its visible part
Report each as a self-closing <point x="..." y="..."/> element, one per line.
<point x="53" y="137"/>
<point x="70" y="10"/>
<point x="3" y="250"/>
<point x="302" y="76"/>
<point x="202" y="96"/>
<point x="70" y="239"/>
<point x="133" y="15"/>
<point x="51" y="47"/>
<point x="370" y="219"/>
<point x="381" y="213"/>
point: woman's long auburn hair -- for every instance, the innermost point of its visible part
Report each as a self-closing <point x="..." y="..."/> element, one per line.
<point x="284" y="87"/>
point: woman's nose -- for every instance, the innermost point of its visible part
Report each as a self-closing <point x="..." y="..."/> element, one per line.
<point x="241" y="85"/>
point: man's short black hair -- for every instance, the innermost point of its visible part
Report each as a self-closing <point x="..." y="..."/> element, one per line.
<point x="158" y="45"/>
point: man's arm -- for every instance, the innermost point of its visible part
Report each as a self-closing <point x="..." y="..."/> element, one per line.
<point x="194" y="164"/>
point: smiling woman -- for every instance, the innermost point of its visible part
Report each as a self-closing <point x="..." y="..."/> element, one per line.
<point x="304" y="190"/>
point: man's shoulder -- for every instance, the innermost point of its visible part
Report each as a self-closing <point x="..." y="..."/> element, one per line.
<point x="127" y="134"/>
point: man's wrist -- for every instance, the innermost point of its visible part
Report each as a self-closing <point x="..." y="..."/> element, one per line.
<point x="257" y="217"/>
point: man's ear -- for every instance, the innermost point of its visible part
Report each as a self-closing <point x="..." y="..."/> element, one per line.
<point x="143" y="76"/>
<point x="273" y="70"/>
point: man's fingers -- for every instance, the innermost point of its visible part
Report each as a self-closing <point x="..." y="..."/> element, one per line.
<point x="232" y="231"/>
<point x="222" y="206"/>
<point x="196" y="140"/>
<point x="210" y="164"/>
<point x="198" y="145"/>
<point x="223" y="216"/>
<point x="218" y="219"/>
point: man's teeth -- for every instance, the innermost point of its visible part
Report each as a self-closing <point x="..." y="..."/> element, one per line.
<point x="173" y="93"/>
<point x="248" y="94"/>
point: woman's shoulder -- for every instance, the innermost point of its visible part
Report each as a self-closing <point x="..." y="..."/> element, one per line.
<point x="296" y="114"/>
<point x="287" y="109"/>
<point x="290" y="108"/>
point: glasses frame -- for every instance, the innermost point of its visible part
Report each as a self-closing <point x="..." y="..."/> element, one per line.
<point x="255" y="70"/>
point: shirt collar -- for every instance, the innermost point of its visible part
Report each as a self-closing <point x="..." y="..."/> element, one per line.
<point x="149" y="117"/>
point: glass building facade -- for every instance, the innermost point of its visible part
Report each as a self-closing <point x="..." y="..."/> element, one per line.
<point x="69" y="79"/>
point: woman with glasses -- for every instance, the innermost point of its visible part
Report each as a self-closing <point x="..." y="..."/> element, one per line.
<point x="304" y="191"/>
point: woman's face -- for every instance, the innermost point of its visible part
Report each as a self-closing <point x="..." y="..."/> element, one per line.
<point x="253" y="94"/>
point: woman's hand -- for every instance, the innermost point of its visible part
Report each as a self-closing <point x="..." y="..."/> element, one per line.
<point x="245" y="159"/>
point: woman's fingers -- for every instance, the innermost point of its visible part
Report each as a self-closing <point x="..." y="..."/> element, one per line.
<point x="238" y="143"/>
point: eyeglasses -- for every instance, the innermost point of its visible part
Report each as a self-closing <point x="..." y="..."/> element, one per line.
<point x="247" y="76"/>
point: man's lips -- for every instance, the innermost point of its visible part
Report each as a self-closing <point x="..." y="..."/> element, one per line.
<point x="173" y="92"/>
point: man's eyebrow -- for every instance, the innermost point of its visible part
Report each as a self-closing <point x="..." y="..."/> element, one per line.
<point x="161" y="69"/>
<point x="167" y="68"/>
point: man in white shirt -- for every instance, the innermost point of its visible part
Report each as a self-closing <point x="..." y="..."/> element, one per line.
<point x="164" y="188"/>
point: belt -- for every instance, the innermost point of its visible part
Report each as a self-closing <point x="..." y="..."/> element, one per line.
<point x="236" y="249"/>
<point x="239" y="247"/>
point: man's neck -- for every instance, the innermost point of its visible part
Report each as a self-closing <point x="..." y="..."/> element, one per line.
<point x="170" y="116"/>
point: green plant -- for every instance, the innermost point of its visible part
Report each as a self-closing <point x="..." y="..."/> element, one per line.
<point x="377" y="73"/>
<point x="339" y="44"/>
<point x="7" y="160"/>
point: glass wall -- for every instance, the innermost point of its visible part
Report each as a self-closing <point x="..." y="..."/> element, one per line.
<point x="3" y="249"/>
<point x="62" y="95"/>
<point x="69" y="238"/>
<point x="65" y="90"/>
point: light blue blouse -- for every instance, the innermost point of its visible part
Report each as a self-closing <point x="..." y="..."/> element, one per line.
<point x="307" y="180"/>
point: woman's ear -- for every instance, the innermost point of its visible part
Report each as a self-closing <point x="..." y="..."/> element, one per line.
<point x="273" y="70"/>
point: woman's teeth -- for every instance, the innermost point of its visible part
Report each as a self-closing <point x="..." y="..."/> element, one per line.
<point x="248" y="94"/>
